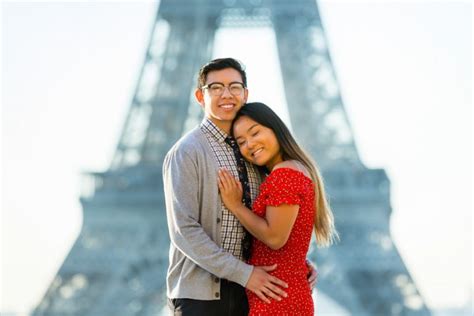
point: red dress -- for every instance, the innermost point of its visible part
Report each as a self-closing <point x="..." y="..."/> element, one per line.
<point x="286" y="186"/>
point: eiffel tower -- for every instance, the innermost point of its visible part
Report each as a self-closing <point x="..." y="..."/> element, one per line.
<point x="118" y="264"/>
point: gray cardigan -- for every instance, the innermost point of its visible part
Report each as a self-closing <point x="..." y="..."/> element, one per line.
<point x="193" y="210"/>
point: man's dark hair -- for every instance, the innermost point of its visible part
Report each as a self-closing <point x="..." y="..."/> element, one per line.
<point x="219" y="64"/>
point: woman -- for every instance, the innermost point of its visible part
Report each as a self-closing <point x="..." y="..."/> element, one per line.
<point x="291" y="201"/>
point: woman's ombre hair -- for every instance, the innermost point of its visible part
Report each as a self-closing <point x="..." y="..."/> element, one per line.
<point x="323" y="217"/>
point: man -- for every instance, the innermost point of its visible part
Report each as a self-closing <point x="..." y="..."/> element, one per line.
<point x="207" y="274"/>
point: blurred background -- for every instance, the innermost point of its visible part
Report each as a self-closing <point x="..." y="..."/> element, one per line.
<point x="69" y="70"/>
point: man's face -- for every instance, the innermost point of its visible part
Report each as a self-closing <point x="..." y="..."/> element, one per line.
<point x="221" y="109"/>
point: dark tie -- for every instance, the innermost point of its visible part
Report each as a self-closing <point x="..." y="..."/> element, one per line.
<point x="244" y="180"/>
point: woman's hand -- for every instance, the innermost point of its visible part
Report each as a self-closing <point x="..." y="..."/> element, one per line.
<point x="231" y="190"/>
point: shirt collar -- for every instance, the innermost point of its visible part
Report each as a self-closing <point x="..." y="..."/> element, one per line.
<point x="208" y="126"/>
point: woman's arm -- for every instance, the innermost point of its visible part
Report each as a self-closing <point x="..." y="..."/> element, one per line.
<point x="273" y="230"/>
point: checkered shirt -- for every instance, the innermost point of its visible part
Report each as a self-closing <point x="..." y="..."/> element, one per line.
<point x="232" y="230"/>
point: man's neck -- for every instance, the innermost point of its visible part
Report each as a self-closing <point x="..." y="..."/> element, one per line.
<point x="223" y="125"/>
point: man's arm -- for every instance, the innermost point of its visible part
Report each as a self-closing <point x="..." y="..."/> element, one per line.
<point x="181" y="185"/>
<point x="273" y="230"/>
<point x="312" y="274"/>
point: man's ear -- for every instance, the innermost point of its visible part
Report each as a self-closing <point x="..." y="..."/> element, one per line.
<point x="199" y="97"/>
<point x="246" y="95"/>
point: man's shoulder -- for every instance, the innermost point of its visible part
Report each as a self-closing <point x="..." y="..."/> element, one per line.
<point x="190" y="142"/>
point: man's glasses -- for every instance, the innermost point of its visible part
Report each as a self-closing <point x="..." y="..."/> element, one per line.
<point x="216" y="89"/>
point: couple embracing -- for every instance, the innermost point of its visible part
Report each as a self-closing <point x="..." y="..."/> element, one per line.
<point x="242" y="199"/>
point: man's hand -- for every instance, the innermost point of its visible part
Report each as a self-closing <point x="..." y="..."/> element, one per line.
<point x="265" y="285"/>
<point x="312" y="274"/>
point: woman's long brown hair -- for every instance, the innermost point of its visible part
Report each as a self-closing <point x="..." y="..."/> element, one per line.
<point x="323" y="217"/>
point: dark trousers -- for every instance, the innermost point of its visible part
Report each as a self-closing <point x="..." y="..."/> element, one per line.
<point x="233" y="302"/>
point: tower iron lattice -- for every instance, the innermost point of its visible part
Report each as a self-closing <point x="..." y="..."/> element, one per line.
<point x="118" y="264"/>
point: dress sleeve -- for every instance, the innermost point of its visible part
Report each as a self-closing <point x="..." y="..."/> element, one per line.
<point x="284" y="187"/>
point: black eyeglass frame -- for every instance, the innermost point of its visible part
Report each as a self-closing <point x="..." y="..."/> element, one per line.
<point x="209" y="86"/>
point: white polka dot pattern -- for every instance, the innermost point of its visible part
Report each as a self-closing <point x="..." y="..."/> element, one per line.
<point x="286" y="186"/>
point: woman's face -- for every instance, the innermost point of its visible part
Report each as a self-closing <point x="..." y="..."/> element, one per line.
<point x="258" y="144"/>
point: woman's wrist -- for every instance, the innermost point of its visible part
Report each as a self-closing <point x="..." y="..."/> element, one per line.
<point x="238" y="208"/>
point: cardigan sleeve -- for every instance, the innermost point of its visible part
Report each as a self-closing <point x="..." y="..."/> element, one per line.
<point x="181" y="187"/>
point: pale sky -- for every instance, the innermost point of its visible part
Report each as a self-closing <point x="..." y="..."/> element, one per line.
<point x="404" y="67"/>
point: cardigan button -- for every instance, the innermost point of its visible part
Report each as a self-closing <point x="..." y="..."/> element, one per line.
<point x="218" y="220"/>
<point x="217" y="294"/>
<point x="216" y="280"/>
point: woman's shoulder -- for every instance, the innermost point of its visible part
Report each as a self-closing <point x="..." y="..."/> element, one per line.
<point x="292" y="165"/>
<point x="287" y="183"/>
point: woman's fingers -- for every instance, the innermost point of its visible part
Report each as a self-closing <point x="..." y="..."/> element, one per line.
<point x="227" y="179"/>
<point x="226" y="175"/>
<point x="222" y="178"/>
<point x="239" y="185"/>
<point x="220" y="182"/>
<point x="221" y="185"/>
